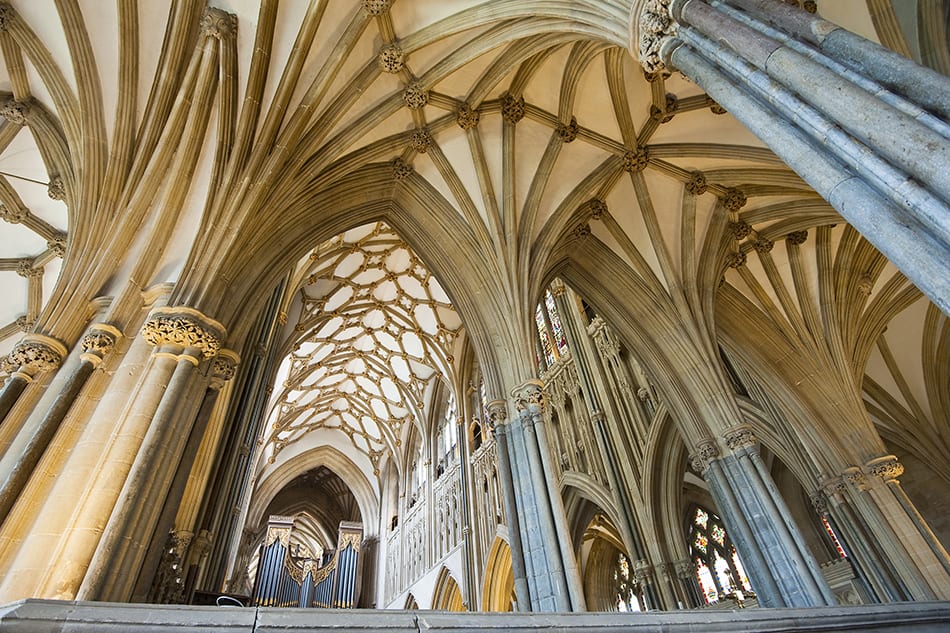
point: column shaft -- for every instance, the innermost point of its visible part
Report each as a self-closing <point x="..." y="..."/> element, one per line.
<point x="11" y="393"/>
<point x="511" y="513"/>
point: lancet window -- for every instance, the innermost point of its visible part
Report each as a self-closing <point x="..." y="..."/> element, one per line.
<point x="718" y="569"/>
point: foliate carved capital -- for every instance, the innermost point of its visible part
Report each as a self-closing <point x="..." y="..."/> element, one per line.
<point x="401" y="169"/>
<point x="886" y="467"/>
<point x="391" y="59"/>
<point x="223" y="367"/>
<point x="24" y="324"/>
<point x="184" y="327"/>
<point x="218" y="24"/>
<point x="497" y="413"/>
<point x="819" y="501"/>
<point x="512" y="109"/>
<point x="529" y="395"/>
<point x="654" y="26"/>
<point x="7" y="15"/>
<point x="642" y="571"/>
<point x="36" y="354"/>
<point x="706" y="453"/>
<point x="597" y="208"/>
<point x="415" y="96"/>
<point x="635" y="160"/>
<point x="25" y="269"/>
<point x="567" y="132"/>
<point x="834" y="487"/>
<point x="740" y="438"/>
<point x="376" y="7"/>
<point x="13" y="216"/>
<point x="55" y="189"/>
<point x="467" y="117"/>
<point x="734" y="200"/>
<point x="100" y="340"/>
<point x="797" y="238"/>
<point x="684" y="568"/>
<point x="696" y="185"/>
<point x="420" y="140"/>
<point x="762" y="245"/>
<point x="855" y="478"/>
<point x="16" y="112"/>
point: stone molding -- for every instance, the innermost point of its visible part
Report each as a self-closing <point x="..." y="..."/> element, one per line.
<point x="706" y="453"/>
<point x="184" y="327"/>
<point x="855" y="478"/>
<point x="36" y="354"/>
<point x="740" y="438"/>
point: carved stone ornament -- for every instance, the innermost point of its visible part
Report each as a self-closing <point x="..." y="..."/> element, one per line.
<point x="642" y="571"/>
<point x="855" y="478"/>
<point x="740" y="438"/>
<point x="467" y="117"/>
<point x="684" y="568"/>
<point x="420" y="140"/>
<point x="715" y="108"/>
<point x="635" y="160"/>
<point x="25" y="269"/>
<point x="183" y="327"/>
<point x="696" y="185"/>
<point x="281" y="534"/>
<point x="819" y="501"/>
<point x="762" y="245"/>
<point x="834" y="487"/>
<point x="223" y="368"/>
<point x="739" y="230"/>
<point x="37" y="353"/>
<point x="16" y="112"/>
<point x="376" y="7"/>
<point x="7" y="15"/>
<point x="415" y="96"/>
<point x="497" y="413"/>
<point x="13" y="216"/>
<point x="887" y="468"/>
<point x="391" y="59"/>
<point x="706" y="453"/>
<point x="401" y="169"/>
<point x="23" y="324"/>
<point x="567" y="133"/>
<point x="98" y="342"/>
<point x="512" y="109"/>
<point x="528" y="395"/>
<point x="597" y="208"/>
<point x="734" y="200"/>
<point x="735" y="260"/>
<point x="797" y="238"/>
<point x="55" y="189"/>
<point x="665" y="114"/>
<point x="582" y="231"/>
<point x="217" y="23"/>
<point x="57" y="247"/>
<point x="655" y="25"/>
<point x="865" y="284"/>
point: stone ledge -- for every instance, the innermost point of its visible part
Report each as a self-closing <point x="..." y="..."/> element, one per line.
<point x="52" y="616"/>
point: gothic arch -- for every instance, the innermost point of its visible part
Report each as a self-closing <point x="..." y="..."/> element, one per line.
<point x="498" y="589"/>
<point x="447" y="596"/>
<point x="333" y="459"/>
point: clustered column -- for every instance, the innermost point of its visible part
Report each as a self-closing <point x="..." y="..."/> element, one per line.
<point x="865" y="127"/>
<point x="34" y="355"/>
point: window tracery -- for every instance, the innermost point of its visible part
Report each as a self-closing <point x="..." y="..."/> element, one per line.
<point x="718" y="569"/>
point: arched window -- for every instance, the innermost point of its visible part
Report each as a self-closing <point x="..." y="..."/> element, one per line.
<point x="448" y="438"/>
<point x="718" y="569"/>
<point x="550" y="331"/>
<point x="627" y="597"/>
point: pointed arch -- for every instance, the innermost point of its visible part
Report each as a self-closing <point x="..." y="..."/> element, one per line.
<point x="498" y="590"/>
<point x="447" y="596"/>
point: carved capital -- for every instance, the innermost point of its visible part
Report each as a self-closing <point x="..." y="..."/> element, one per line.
<point x="420" y="140"/>
<point x="223" y="367"/>
<point x="567" y="132"/>
<point x="597" y="208"/>
<point x="696" y="185"/>
<point x="512" y="109"/>
<point x="834" y="488"/>
<point x="636" y="160"/>
<point x="797" y="238"/>
<point x="415" y="96"/>
<point x="654" y="25"/>
<point x="529" y="395"/>
<point x="16" y="112"/>
<point x="376" y="7"/>
<point x="886" y="467"/>
<point x="184" y="327"/>
<point x="401" y="169"/>
<point x="819" y="501"/>
<point x="706" y="453"/>
<point x="100" y="340"/>
<point x="391" y="59"/>
<point x="740" y="438"/>
<point x="684" y="568"/>
<point x="217" y="23"/>
<point x="179" y="541"/>
<point x="642" y="571"/>
<point x="855" y="478"/>
<point x="55" y="189"/>
<point x="36" y="354"/>
<point x="13" y="216"/>
<point x="467" y="117"/>
<point x="735" y="260"/>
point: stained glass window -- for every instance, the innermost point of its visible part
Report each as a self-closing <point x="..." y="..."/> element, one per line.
<point x="484" y="398"/>
<point x="719" y="571"/>
<point x="543" y="335"/>
<point x="627" y="598"/>
<point x="559" y="339"/>
<point x="834" y="538"/>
